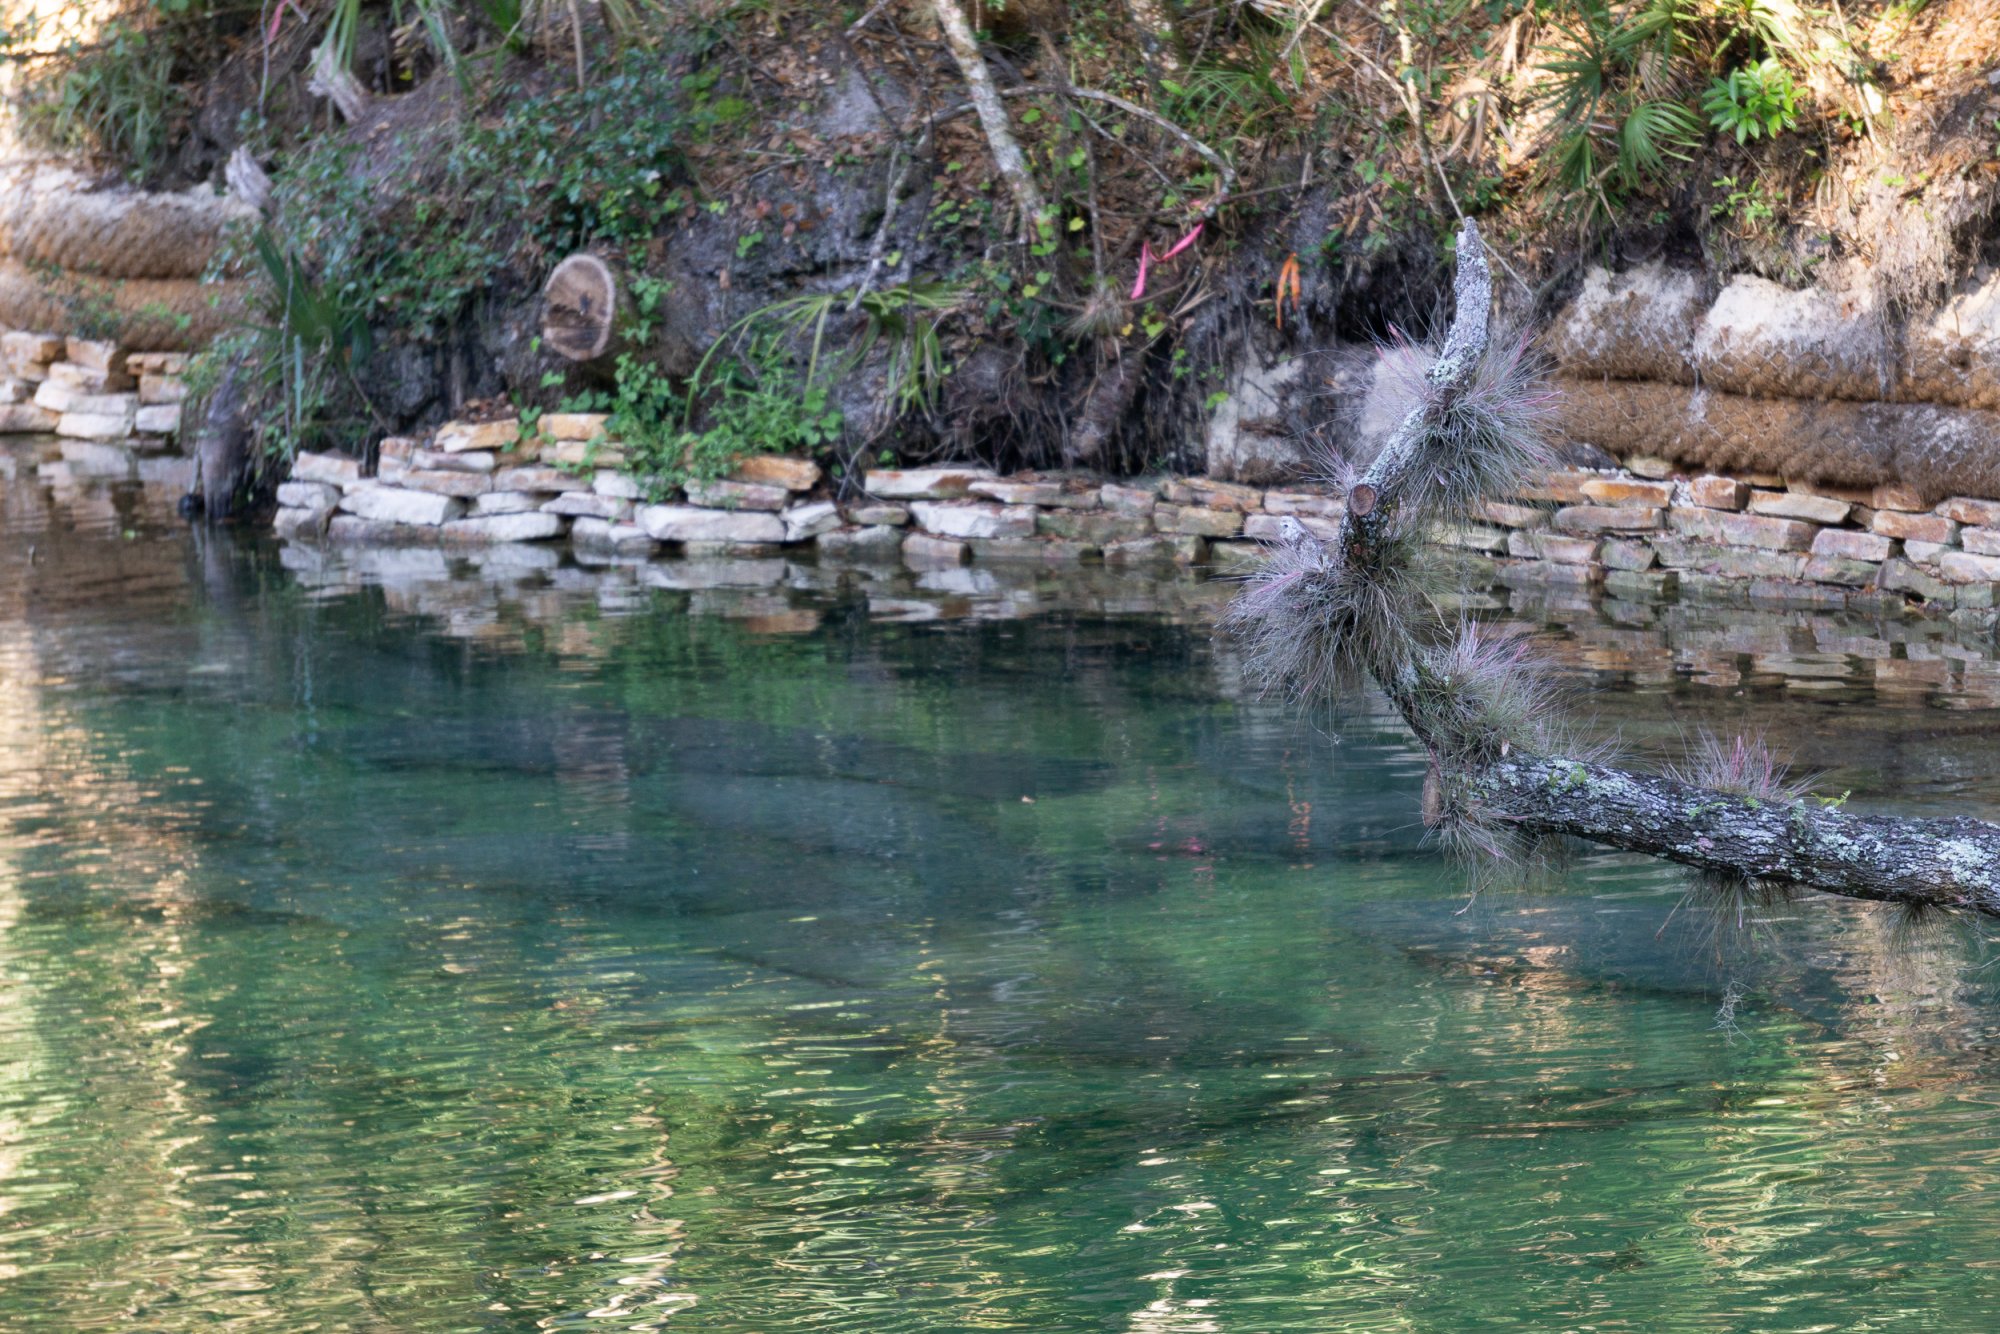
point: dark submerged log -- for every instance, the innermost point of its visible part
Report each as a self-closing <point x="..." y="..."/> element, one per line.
<point x="222" y="448"/>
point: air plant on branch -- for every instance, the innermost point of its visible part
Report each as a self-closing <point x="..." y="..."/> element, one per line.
<point x="1325" y="611"/>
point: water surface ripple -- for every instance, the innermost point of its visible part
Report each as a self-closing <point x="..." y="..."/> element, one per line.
<point x="395" y="948"/>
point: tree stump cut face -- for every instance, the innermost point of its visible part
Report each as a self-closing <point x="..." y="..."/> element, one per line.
<point x="580" y="308"/>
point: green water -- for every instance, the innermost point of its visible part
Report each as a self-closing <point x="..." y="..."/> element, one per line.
<point x="566" y="960"/>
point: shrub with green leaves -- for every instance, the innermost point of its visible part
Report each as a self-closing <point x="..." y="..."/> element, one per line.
<point x="531" y="176"/>
<point x="123" y="102"/>
<point x="1615" y="132"/>
<point x="1754" y="101"/>
<point x="750" y="402"/>
<point x="548" y="174"/>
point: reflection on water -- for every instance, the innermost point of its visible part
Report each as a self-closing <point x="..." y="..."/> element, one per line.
<point x="395" y="945"/>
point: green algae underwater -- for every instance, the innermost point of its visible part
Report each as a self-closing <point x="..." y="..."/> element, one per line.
<point x="542" y="949"/>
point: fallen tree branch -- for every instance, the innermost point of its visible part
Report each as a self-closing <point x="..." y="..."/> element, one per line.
<point x="1006" y="150"/>
<point x="1936" y="863"/>
<point x="1499" y="771"/>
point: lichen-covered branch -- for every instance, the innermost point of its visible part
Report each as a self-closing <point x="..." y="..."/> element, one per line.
<point x="1951" y="863"/>
<point x="1503" y="771"/>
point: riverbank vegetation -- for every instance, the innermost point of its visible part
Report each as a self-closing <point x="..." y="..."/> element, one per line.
<point x="1050" y="233"/>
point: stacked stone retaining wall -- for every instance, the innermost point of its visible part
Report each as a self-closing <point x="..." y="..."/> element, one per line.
<point x="92" y="395"/>
<point x="1646" y="530"/>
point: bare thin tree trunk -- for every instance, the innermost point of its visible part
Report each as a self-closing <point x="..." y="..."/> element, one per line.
<point x="1159" y="41"/>
<point x="993" y="119"/>
<point x="1481" y="772"/>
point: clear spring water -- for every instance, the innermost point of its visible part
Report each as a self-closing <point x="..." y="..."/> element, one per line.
<point x="551" y="968"/>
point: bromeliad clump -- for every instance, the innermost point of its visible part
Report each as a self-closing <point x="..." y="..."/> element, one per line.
<point x="1503" y="774"/>
<point x="1320" y="616"/>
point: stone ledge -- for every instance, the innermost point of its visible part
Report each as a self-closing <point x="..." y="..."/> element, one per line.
<point x="1669" y="535"/>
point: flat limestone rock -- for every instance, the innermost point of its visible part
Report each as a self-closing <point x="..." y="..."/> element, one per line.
<point x="337" y="469"/>
<point x="539" y="477"/>
<point x="57" y="397"/>
<point x="26" y="419"/>
<point x="86" y="380"/>
<point x="969" y="519"/>
<point x="1098" y="527"/>
<point x="1916" y="527"/>
<point x="1018" y="493"/>
<point x="1197" y="521"/>
<point x="353" y="530"/>
<point x="726" y="495"/>
<point x="156" y="363"/>
<point x="509" y="502"/>
<point x="1962" y="567"/>
<point x="687" y="523"/>
<point x="531" y="527"/>
<point x="923" y="483"/>
<point x="805" y="522"/>
<point x="97" y="425"/>
<point x="884" y="514"/>
<point x="1743" y="530"/>
<point x="624" y="539"/>
<point x="1607" y="518"/>
<point x="33" y="348"/>
<point x="1269" y="527"/>
<point x="778" y="470"/>
<point x="1842" y="570"/>
<point x="921" y="551"/>
<point x="308" y="495"/>
<point x="97" y="354"/>
<point x="394" y="505"/>
<point x="1846" y="544"/>
<point x="586" y="454"/>
<point x="158" y="419"/>
<point x="1128" y="499"/>
<point x="161" y="389"/>
<point x="1548" y="547"/>
<point x="444" y="482"/>
<point x="438" y="460"/>
<point x="867" y="545"/>
<point x="1278" y="501"/>
<point x="1972" y="513"/>
<point x="590" y="505"/>
<point x="459" y="437"/>
<point x="1799" y="505"/>
<point x="574" y="425"/>
<point x="617" y="486"/>
<point x="1626" y="491"/>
